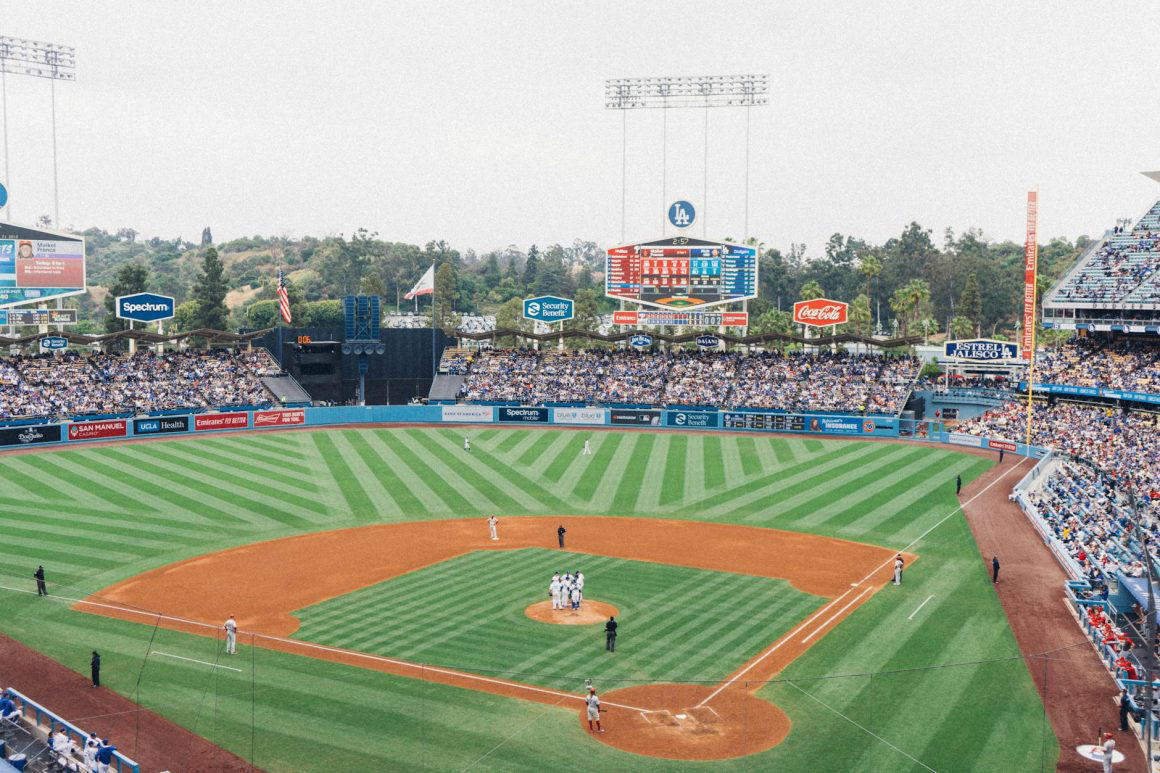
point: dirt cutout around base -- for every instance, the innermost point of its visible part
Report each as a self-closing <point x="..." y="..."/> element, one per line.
<point x="589" y="613"/>
<point x="262" y="584"/>
<point x="673" y="725"/>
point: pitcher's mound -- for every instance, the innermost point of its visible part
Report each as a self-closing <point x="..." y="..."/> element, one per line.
<point x="589" y="613"/>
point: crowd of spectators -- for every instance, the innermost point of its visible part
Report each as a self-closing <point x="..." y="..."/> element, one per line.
<point x="839" y="382"/>
<point x="1127" y="364"/>
<point x="71" y="383"/>
<point x="1089" y="511"/>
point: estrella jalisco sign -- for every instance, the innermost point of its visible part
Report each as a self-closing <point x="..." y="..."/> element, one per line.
<point x="981" y="349"/>
<point x="549" y="308"/>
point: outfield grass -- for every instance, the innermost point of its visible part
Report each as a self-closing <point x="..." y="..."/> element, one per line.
<point x="676" y="623"/>
<point x="96" y="515"/>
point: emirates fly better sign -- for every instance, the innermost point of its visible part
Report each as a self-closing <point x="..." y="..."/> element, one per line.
<point x="820" y="312"/>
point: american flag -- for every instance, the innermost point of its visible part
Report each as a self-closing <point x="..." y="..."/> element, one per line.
<point x="284" y="299"/>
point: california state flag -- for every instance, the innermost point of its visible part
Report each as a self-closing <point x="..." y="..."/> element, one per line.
<point x="425" y="285"/>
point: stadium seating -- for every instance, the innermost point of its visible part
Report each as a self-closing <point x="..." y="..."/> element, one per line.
<point x="1123" y="268"/>
<point x="73" y="384"/>
<point x="1124" y="364"/>
<point x="839" y="383"/>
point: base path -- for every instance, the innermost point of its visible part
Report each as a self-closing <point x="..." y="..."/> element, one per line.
<point x="1075" y="687"/>
<point x="153" y="742"/>
<point x="262" y="584"/>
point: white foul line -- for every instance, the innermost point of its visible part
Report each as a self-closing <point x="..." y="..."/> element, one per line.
<point x="837" y="614"/>
<point x="322" y="648"/>
<point x="920" y="606"/>
<point x="192" y="660"/>
<point x="777" y="645"/>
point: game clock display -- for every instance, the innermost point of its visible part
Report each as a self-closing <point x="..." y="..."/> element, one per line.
<point x="681" y="273"/>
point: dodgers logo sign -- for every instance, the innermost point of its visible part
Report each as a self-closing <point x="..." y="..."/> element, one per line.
<point x="548" y="308"/>
<point x="682" y="214"/>
<point x="145" y="307"/>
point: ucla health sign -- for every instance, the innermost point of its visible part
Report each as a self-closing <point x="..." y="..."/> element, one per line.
<point x="145" y="307"/>
<point x="548" y="308"/>
<point x="982" y="349"/>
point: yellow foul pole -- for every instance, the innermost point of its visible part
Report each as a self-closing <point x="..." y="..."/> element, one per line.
<point x="1030" y="274"/>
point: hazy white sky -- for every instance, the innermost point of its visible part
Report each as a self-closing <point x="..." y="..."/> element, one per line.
<point x="484" y="123"/>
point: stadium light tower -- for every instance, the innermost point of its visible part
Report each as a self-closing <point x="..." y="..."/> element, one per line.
<point x="39" y="60"/>
<point x="703" y="91"/>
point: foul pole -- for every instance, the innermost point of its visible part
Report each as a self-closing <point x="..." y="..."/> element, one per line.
<point x="1030" y="274"/>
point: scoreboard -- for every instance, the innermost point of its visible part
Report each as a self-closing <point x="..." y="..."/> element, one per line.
<point x="681" y="273"/>
<point x="778" y="422"/>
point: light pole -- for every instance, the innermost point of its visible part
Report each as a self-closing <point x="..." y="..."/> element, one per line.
<point x="38" y="60"/>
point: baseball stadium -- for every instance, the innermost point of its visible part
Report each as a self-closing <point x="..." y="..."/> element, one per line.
<point x="675" y="502"/>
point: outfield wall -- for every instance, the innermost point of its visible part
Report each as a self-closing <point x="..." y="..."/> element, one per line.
<point x="112" y="429"/>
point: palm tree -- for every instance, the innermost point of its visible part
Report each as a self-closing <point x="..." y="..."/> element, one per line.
<point x="870" y="267"/>
<point x="810" y="290"/>
<point x="909" y="302"/>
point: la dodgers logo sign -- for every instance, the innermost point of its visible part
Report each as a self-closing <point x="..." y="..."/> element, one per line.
<point x="682" y="214"/>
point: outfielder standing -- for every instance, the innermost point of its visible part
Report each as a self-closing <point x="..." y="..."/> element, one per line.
<point x="587" y="449"/>
<point x="594" y="710"/>
<point x="898" y="569"/>
<point x="466" y="443"/>
<point x="231" y="627"/>
<point x="491" y="524"/>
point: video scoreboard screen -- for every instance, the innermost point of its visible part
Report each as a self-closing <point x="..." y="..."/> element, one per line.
<point x="681" y="273"/>
<point x="778" y="422"/>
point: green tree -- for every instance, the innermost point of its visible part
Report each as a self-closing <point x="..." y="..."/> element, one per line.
<point x="971" y="302"/>
<point x="131" y="278"/>
<point x="510" y="316"/>
<point x="327" y="314"/>
<point x="962" y="327"/>
<point x="372" y="284"/>
<point x="811" y="290"/>
<point x="861" y="321"/>
<point x="210" y="293"/>
<point x="870" y="267"/>
<point x="262" y="314"/>
<point x="186" y="315"/>
<point x="909" y="303"/>
<point x="531" y="267"/>
<point x="585" y="316"/>
<point x="444" y="300"/>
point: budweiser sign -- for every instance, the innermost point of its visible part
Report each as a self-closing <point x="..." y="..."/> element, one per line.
<point x="820" y="312"/>
<point x="221" y="421"/>
<point x="279" y="418"/>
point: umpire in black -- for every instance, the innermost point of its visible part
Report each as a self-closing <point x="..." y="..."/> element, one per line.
<point x="610" y="635"/>
<point x="41" y="588"/>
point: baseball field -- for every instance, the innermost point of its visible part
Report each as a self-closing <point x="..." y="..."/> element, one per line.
<point x="382" y="630"/>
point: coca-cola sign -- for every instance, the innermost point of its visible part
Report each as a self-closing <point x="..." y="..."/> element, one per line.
<point x="820" y="312"/>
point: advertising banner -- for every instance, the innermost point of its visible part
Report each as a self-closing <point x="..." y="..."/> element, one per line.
<point x="1030" y="263"/>
<point x="160" y="425"/>
<point x="692" y="419"/>
<point x="682" y="318"/>
<point x="1001" y="445"/>
<point x="523" y="414"/>
<point x="90" y="430"/>
<point x="38" y="316"/>
<point x="460" y="413"/>
<point x="221" y="421"/>
<point x="578" y="415"/>
<point x="23" y="436"/>
<point x="840" y="425"/>
<point x="981" y="349"/>
<point x="279" y="418"/>
<point x="959" y="439"/>
<point x="820" y="312"/>
<point x="145" y="307"/>
<point x="548" y="308"/>
<point x="642" y="417"/>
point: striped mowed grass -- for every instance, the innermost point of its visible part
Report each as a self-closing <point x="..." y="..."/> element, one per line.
<point x="676" y="624"/>
<point x="96" y="515"/>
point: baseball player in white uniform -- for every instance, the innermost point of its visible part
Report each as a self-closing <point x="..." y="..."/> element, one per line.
<point x="554" y="590"/>
<point x="491" y="524"/>
<point x="580" y="581"/>
<point x="587" y="449"/>
<point x="898" y="569"/>
<point x="594" y="710"/>
<point x="1108" y="751"/>
<point x="231" y="627"/>
<point x="466" y="443"/>
<point x="90" y="752"/>
<point x="575" y="597"/>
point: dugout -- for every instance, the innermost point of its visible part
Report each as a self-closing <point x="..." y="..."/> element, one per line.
<point x="402" y="373"/>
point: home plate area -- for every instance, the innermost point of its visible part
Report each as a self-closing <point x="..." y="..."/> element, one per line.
<point x="699" y="720"/>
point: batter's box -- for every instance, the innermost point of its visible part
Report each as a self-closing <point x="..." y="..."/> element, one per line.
<point x="661" y="718"/>
<point x="706" y="715"/>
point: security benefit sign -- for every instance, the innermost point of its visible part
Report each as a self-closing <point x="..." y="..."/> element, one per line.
<point x="549" y="308"/>
<point x="692" y="418"/>
<point x="982" y="349"/>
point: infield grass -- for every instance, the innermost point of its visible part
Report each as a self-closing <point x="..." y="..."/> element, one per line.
<point x="945" y="689"/>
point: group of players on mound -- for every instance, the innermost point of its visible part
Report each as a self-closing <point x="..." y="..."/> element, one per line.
<point x="567" y="590"/>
